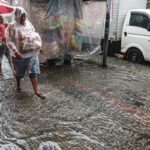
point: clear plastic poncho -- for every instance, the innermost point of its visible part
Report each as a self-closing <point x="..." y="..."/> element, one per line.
<point x="22" y="39"/>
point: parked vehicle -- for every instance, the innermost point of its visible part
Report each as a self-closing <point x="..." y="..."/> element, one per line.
<point x="136" y="36"/>
<point x="120" y="9"/>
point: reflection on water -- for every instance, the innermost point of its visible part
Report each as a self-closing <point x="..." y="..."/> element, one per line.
<point x="87" y="108"/>
<point x="6" y="69"/>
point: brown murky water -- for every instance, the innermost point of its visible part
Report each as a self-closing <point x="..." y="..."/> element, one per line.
<point x="87" y="108"/>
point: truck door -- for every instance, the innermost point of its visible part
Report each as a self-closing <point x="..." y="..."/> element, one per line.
<point x="135" y="33"/>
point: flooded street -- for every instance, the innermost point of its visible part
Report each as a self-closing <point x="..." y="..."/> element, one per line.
<point x="87" y="108"/>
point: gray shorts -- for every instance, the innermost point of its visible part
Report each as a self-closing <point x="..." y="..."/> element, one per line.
<point x="26" y="65"/>
<point x="21" y="66"/>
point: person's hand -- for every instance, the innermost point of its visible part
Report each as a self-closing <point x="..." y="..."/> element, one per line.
<point x="42" y="51"/>
<point x="18" y="56"/>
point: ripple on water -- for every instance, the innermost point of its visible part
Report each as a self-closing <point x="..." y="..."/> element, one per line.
<point x="49" y="146"/>
<point x="9" y="147"/>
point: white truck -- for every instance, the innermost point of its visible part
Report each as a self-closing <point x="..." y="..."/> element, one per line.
<point x="136" y="36"/>
<point x="129" y="27"/>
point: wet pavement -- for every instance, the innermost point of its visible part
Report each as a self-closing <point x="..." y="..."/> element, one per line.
<point x="87" y="108"/>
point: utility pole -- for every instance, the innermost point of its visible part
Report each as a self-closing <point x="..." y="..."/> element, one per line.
<point x="106" y="37"/>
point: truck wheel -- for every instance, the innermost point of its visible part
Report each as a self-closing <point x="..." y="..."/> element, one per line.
<point x="134" y="55"/>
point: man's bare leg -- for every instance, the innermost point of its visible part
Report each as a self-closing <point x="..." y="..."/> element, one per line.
<point x="18" y="84"/>
<point x="34" y="82"/>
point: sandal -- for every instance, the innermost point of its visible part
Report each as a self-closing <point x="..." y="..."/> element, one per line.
<point x="41" y="96"/>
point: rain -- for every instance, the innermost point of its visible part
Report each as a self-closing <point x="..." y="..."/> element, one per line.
<point x="87" y="107"/>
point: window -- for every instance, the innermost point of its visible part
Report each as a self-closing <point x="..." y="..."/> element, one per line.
<point x="139" y="20"/>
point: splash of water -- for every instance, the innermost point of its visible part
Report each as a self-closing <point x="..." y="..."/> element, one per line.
<point x="9" y="147"/>
<point x="49" y="146"/>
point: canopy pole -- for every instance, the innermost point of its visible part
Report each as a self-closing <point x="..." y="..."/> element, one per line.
<point x="106" y="37"/>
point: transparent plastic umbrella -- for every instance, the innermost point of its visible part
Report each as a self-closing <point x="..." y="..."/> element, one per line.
<point x="5" y="7"/>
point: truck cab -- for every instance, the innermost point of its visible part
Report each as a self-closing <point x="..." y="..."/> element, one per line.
<point x="135" y="43"/>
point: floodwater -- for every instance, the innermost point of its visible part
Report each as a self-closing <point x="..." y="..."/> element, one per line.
<point x="87" y="108"/>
